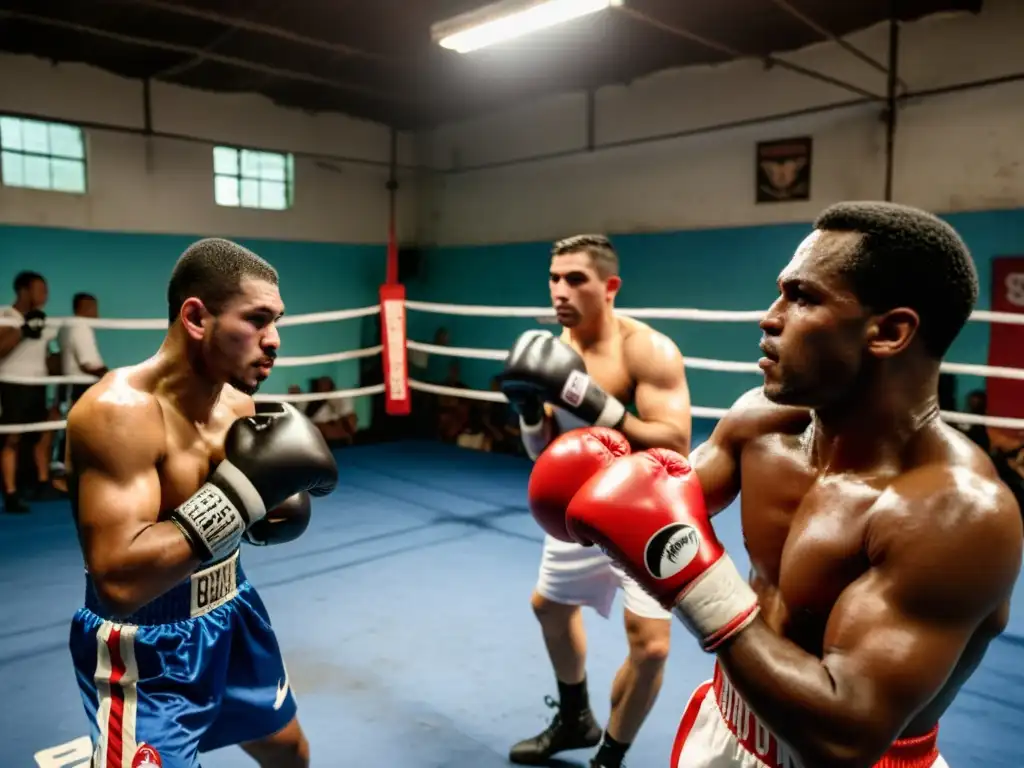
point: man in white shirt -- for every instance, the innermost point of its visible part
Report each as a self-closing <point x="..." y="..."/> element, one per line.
<point x="79" y="354"/>
<point x="23" y="355"/>
<point x="335" y="417"/>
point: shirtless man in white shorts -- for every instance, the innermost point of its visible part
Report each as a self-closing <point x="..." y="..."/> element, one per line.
<point x="602" y="362"/>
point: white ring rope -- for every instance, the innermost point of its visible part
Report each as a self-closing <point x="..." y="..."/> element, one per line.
<point x="707" y="364"/>
<point x="158" y="324"/>
<point x="698" y="315"/>
<point x="284" y="362"/>
<point x="702" y="412"/>
<point x="705" y="315"/>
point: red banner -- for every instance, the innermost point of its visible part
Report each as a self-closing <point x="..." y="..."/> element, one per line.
<point x="397" y="396"/>
<point x="1006" y="342"/>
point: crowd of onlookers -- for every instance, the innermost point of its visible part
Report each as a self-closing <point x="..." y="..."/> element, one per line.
<point x="32" y="349"/>
<point x="482" y="425"/>
<point x="335" y="417"/>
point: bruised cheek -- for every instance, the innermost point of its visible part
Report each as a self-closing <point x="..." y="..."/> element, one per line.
<point x="235" y="343"/>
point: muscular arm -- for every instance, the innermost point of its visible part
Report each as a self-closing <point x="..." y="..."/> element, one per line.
<point x="662" y="395"/>
<point x="114" y="448"/>
<point x="945" y="557"/>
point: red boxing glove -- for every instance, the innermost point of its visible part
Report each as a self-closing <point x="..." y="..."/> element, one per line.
<point x="562" y="469"/>
<point x="647" y="512"/>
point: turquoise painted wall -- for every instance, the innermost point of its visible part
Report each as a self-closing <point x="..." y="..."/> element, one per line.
<point x="128" y="273"/>
<point x="707" y="269"/>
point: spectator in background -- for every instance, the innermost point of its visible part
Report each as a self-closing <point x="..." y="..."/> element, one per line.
<point x="502" y="424"/>
<point x="452" y="411"/>
<point x="1004" y="446"/>
<point x="24" y="353"/>
<point x="977" y="404"/>
<point x="435" y="364"/>
<point x="334" y="416"/>
<point x="79" y="354"/>
<point x="474" y="435"/>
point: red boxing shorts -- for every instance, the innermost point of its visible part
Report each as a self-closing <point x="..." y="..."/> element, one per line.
<point x="718" y="730"/>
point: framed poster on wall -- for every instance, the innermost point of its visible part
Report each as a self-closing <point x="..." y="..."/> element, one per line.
<point x="783" y="170"/>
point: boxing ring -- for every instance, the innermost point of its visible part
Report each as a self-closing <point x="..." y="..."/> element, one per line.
<point x="403" y="612"/>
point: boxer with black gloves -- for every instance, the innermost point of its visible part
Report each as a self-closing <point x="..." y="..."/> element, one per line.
<point x="602" y="363"/>
<point x="171" y="466"/>
<point x="542" y="369"/>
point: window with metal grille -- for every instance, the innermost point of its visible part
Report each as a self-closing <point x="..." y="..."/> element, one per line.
<point x="248" y="178"/>
<point x="42" y="155"/>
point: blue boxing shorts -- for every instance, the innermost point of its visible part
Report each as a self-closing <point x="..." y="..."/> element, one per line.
<point x="197" y="669"/>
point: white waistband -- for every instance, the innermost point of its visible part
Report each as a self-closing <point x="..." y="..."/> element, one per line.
<point x="214" y="586"/>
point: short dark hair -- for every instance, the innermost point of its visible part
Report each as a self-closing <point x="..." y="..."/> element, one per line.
<point x="598" y="247"/>
<point x="908" y="258"/>
<point x="212" y="270"/>
<point x="80" y="298"/>
<point x="24" y="279"/>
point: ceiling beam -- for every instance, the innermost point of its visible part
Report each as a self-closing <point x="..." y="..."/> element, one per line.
<point x="811" y="24"/>
<point x="236" y="22"/>
<point x="715" y="45"/>
<point x="253" y="66"/>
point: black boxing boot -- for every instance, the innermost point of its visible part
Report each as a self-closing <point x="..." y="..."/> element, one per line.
<point x="572" y="727"/>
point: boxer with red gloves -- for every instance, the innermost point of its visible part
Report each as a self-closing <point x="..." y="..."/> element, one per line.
<point x="647" y="511"/>
<point x="883" y="546"/>
<point x="602" y="363"/>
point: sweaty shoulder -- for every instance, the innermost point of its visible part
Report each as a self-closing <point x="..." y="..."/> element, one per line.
<point x="952" y="509"/>
<point x="649" y="355"/>
<point x="753" y="415"/>
<point x="118" y="419"/>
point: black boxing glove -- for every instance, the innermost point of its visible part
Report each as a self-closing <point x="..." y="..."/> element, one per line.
<point x="284" y="523"/>
<point x="525" y="400"/>
<point x="267" y="458"/>
<point x="35" y="322"/>
<point x="542" y="368"/>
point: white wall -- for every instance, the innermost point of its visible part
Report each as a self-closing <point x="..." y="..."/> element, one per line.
<point x="140" y="184"/>
<point x="953" y="153"/>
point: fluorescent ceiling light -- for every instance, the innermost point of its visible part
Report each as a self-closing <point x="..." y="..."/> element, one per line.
<point x="508" y="20"/>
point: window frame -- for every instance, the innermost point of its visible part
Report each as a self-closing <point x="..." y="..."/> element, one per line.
<point x="49" y="156"/>
<point x="239" y="176"/>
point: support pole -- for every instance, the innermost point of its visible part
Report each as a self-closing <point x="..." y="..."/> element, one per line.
<point x="392" y="187"/>
<point x="890" y="114"/>
<point x="147" y="108"/>
<point x="149" y="144"/>
<point x="591" y="119"/>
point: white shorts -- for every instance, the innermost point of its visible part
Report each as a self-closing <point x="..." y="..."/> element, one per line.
<point x="718" y="730"/>
<point x="572" y="574"/>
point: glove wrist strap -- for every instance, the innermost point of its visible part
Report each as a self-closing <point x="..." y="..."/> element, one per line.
<point x="215" y="517"/>
<point x="717" y="605"/>
<point x="212" y="524"/>
<point x="535" y="437"/>
<point x="612" y="414"/>
<point x="231" y="478"/>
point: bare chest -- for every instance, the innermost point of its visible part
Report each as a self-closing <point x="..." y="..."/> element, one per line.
<point x="805" y="536"/>
<point x="607" y="367"/>
<point x="191" y="453"/>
